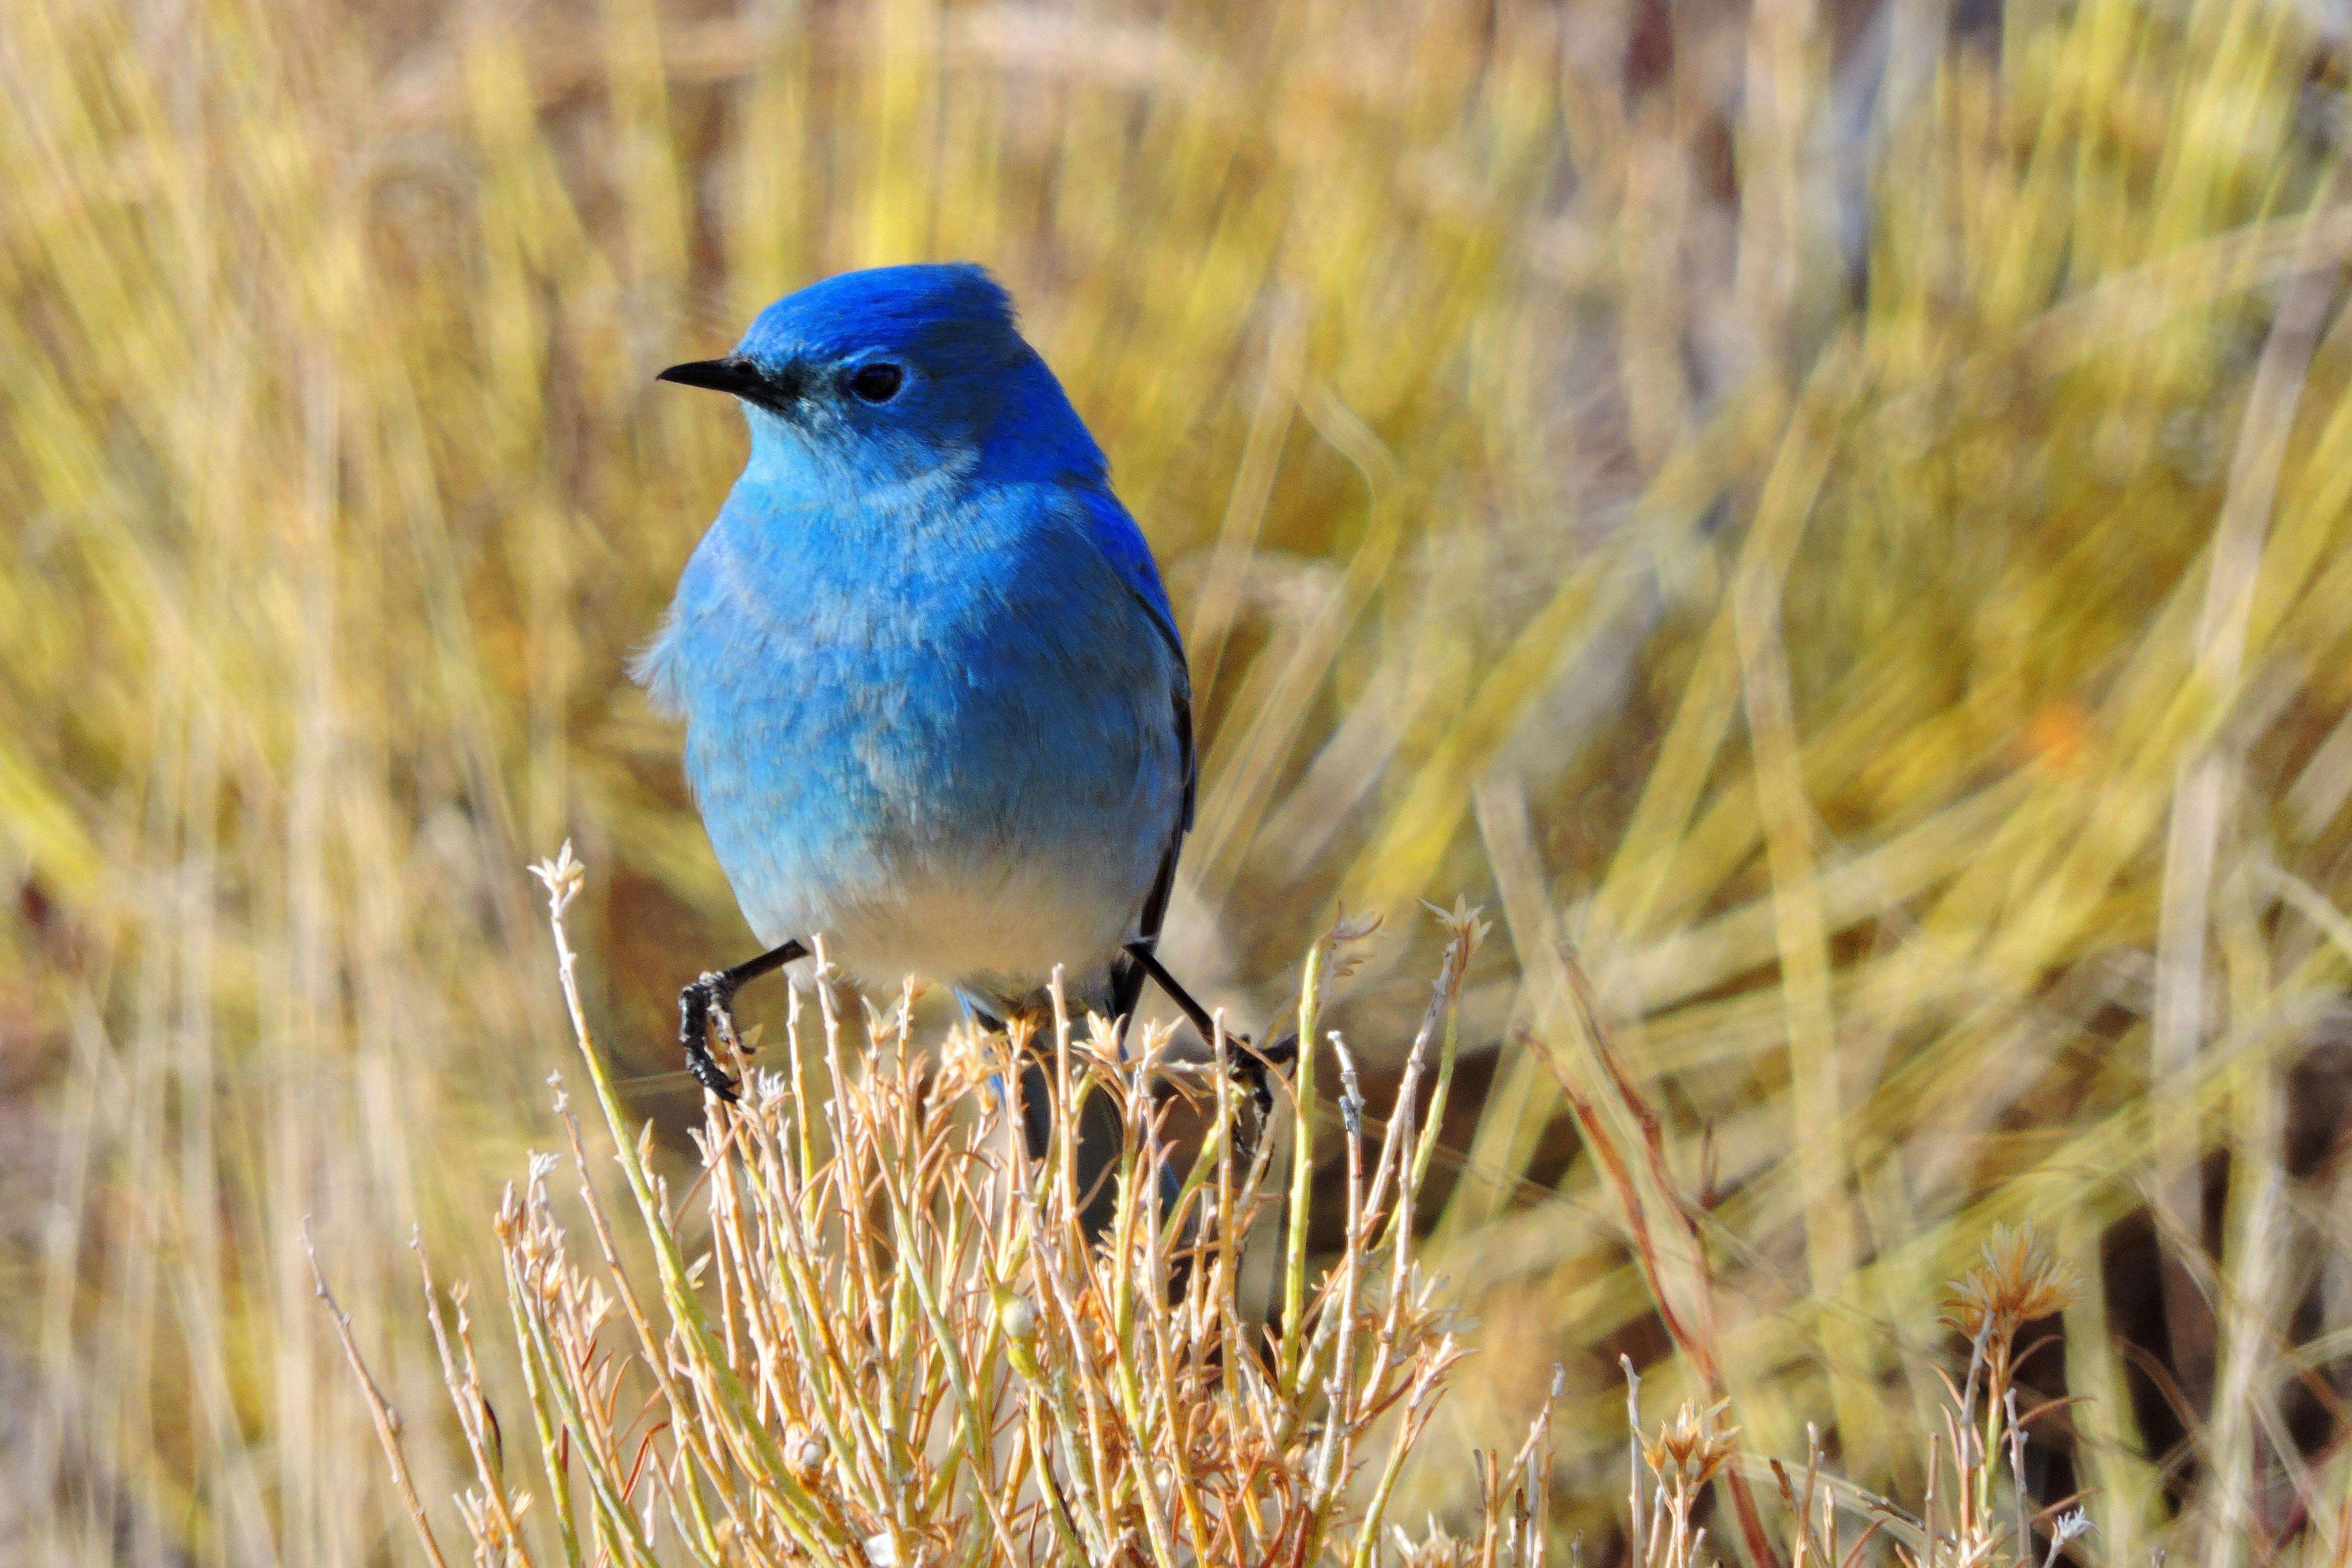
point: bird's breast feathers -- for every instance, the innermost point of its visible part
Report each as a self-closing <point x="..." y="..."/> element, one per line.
<point x="953" y="757"/>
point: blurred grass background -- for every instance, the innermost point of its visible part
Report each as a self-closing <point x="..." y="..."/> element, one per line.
<point x="1837" y="509"/>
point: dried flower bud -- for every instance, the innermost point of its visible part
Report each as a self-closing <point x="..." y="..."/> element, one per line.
<point x="1018" y="1320"/>
<point x="1435" y="1550"/>
<point x="563" y="876"/>
<point x="1015" y="1316"/>
<point x="804" y="1452"/>
<point x="2013" y="1281"/>
<point x="964" y="1058"/>
<point x="1692" y="1448"/>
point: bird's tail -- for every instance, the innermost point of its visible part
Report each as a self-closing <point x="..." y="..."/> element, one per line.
<point x="1100" y="1132"/>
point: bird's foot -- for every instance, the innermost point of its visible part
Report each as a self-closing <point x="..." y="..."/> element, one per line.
<point x="704" y="1007"/>
<point x="1251" y="1065"/>
<point x="1255" y="1066"/>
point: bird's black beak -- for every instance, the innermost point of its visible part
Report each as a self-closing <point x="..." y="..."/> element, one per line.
<point x="733" y="375"/>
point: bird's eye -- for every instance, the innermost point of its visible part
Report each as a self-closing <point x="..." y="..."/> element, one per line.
<point x="877" y="383"/>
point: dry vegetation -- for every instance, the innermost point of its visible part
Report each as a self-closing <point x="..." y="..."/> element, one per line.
<point x="897" y="1343"/>
<point x="1838" y="513"/>
<point x="887" y="1336"/>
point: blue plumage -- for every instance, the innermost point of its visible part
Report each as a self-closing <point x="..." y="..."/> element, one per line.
<point x="936" y="710"/>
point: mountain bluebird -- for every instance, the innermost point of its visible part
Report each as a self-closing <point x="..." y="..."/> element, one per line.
<point x="936" y="707"/>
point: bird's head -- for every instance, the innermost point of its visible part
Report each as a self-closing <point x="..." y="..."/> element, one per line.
<point x="894" y="374"/>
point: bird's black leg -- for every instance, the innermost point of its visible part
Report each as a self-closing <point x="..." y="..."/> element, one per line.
<point x="1253" y="1063"/>
<point x="708" y="1003"/>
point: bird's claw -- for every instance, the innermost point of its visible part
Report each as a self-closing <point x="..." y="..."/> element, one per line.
<point x="702" y="1007"/>
<point x="1255" y="1066"/>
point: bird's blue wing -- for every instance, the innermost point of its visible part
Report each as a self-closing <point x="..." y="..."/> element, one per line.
<point x="1121" y="542"/>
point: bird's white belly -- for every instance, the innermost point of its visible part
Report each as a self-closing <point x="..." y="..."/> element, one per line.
<point x="1009" y="925"/>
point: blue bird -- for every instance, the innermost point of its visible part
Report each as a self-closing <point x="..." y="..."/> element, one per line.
<point x="937" y="711"/>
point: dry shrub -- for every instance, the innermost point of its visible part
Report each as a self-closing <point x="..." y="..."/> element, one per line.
<point x="897" y="1342"/>
<point x="875" y="1331"/>
<point x="1977" y="1509"/>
